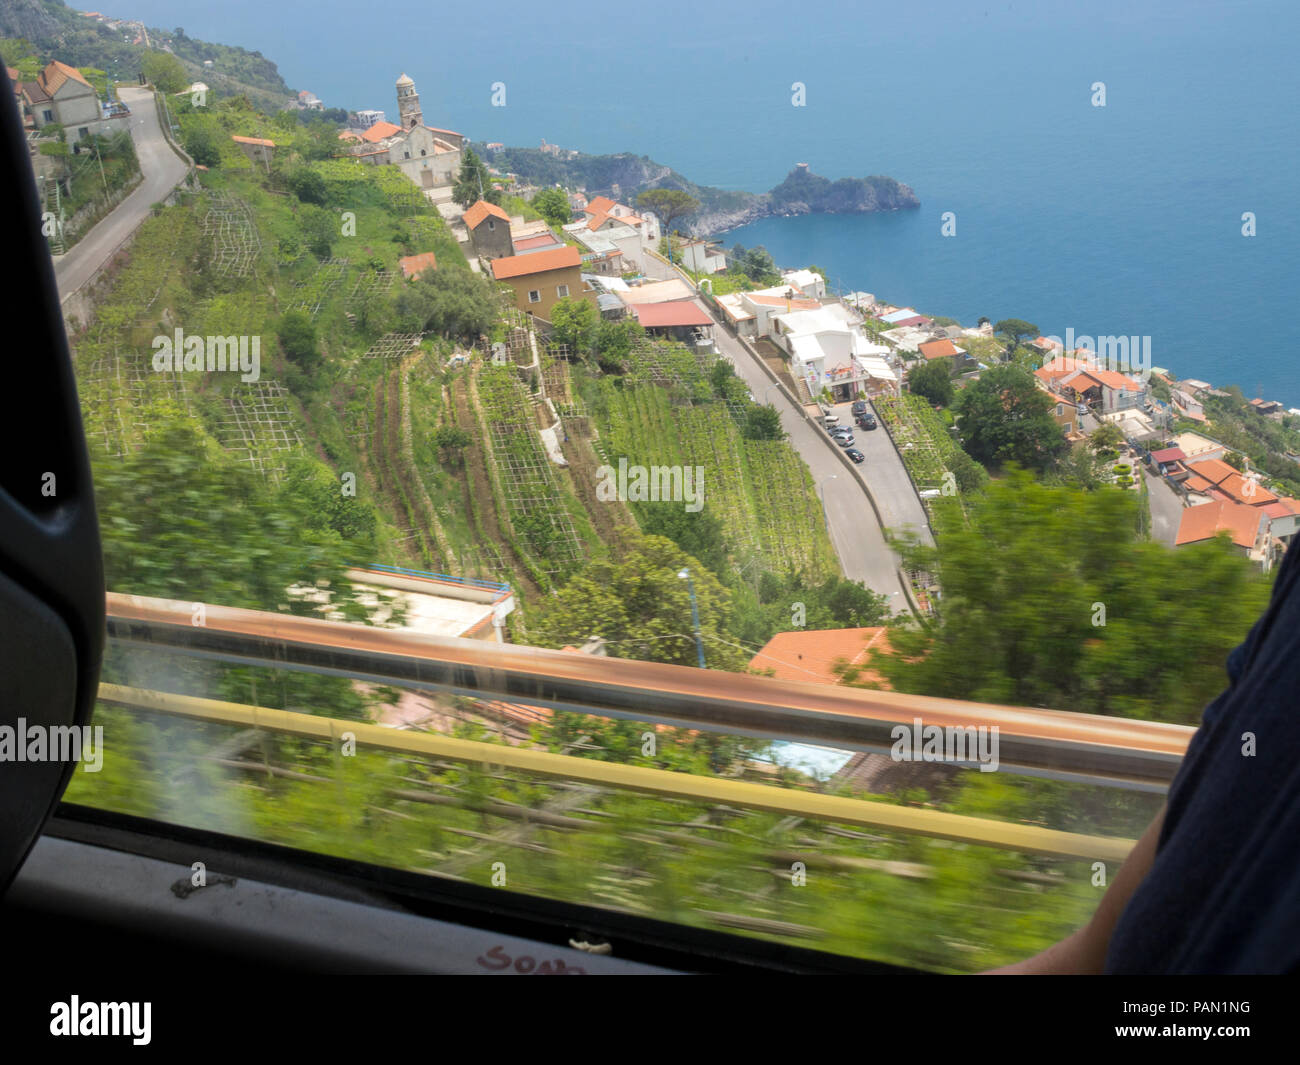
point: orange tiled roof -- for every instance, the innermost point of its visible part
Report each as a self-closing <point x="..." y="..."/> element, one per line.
<point x="1243" y="490"/>
<point x="56" y="73"/>
<point x="600" y="205"/>
<point x="810" y="656"/>
<point x="937" y="349"/>
<point x="1209" y="519"/>
<point x="1216" y="471"/>
<point x="480" y="211"/>
<point x="380" y="131"/>
<point x="537" y="262"/>
<point x="415" y="265"/>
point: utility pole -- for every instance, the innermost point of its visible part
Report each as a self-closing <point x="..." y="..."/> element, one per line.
<point x="685" y="574"/>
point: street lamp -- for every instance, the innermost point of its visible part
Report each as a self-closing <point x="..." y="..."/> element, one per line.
<point x="685" y="574"/>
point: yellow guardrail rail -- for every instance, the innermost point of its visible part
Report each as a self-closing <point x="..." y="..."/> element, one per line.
<point x="1005" y="835"/>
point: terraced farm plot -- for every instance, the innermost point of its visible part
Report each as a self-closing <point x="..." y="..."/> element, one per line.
<point x="230" y="223"/>
<point x="260" y="426"/>
<point x="534" y="498"/>
<point x="310" y="294"/>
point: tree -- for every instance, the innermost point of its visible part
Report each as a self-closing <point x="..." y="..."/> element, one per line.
<point x="1052" y="598"/>
<point x="319" y="227"/>
<point x="636" y="601"/>
<point x="453" y="439"/>
<point x="453" y="303"/>
<point x="553" y="205"/>
<point x="1015" y="330"/>
<point x="1106" y="437"/>
<point x="164" y="72"/>
<point x="763" y="423"/>
<point x="1235" y="460"/>
<point x="574" y="323"/>
<point x="933" y="380"/>
<point x="669" y="205"/>
<point x="473" y="182"/>
<point x="298" y="339"/>
<point x="1006" y="417"/>
<point x="201" y="145"/>
<point x="759" y="266"/>
<point x="307" y="185"/>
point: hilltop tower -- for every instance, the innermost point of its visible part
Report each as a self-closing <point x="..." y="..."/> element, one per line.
<point x="408" y="104"/>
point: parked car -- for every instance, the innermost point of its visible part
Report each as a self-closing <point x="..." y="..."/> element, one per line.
<point x="845" y="440"/>
<point x="859" y="406"/>
<point x="855" y="454"/>
<point x="840" y="430"/>
<point x="866" y="420"/>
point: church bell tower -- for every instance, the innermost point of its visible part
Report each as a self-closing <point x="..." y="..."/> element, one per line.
<point x="408" y="104"/>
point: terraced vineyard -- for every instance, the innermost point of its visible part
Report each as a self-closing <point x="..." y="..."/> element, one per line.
<point x="759" y="489"/>
<point x="927" y="447"/>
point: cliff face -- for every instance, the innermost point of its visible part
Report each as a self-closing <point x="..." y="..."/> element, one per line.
<point x="624" y="176"/>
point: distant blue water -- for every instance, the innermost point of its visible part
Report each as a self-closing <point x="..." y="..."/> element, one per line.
<point x="1117" y="220"/>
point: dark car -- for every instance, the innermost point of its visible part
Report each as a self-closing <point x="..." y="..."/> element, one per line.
<point x="859" y="406"/>
<point x="866" y="420"/>
<point x="855" y="454"/>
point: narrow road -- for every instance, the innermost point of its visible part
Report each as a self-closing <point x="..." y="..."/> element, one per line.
<point x="1166" y="509"/>
<point x="162" y="168"/>
<point x="854" y="531"/>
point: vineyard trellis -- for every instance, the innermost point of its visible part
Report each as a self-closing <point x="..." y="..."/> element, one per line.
<point x="312" y="292"/>
<point x="260" y="423"/>
<point x="230" y="223"/>
<point x="534" y="498"/>
<point x="394" y="346"/>
<point x="925" y="444"/>
<point x="369" y="286"/>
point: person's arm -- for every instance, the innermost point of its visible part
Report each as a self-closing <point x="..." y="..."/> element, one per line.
<point x="1085" y="951"/>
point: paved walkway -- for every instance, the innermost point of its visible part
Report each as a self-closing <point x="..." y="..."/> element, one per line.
<point x="163" y="170"/>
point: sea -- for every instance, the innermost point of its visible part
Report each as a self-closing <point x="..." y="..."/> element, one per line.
<point x="1118" y="167"/>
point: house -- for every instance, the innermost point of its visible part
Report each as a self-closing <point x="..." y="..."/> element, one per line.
<point x="1079" y="377"/>
<point x="602" y="256"/>
<point x="902" y="317"/>
<point x="414" y="265"/>
<point x="956" y="357"/>
<point x="1065" y="414"/>
<point x="542" y="279"/>
<point x="625" y="236"/>
<point x="309" y="101"/>
<point x="682" y="320"/>
<point x="1246" y="526"/>
<point x="365" y="119"/>
<point x="489" y="230"/>
<point x="703" y="257"/>
<point x="259" y="150"/>
<point x="1196" y="446"/>
<point x="60" y="95"/>
<point x="1216" y="479"/>
<point x="657" y="292"/>
<point x="828" y="352"/>
<point x="600" y="209"/>
<point x="1048" y="346"/>
<point x="766" y="303"/>
<point x="1170" y="462"/>
<point x="808" y="282"/>
<point x="1185" y="403"/>
<point x="1266" y="406"/>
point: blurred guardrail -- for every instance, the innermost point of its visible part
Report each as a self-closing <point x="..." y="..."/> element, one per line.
<point x="1140" y="755"/>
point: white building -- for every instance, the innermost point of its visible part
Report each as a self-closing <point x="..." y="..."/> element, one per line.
<point x="701" y="257"/>
<point x="826" y="351"/>
<point x="808" y="282"/>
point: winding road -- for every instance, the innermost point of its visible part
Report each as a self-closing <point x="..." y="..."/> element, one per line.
<point x="855" y="533"/>
<point x="163" y="170"/>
